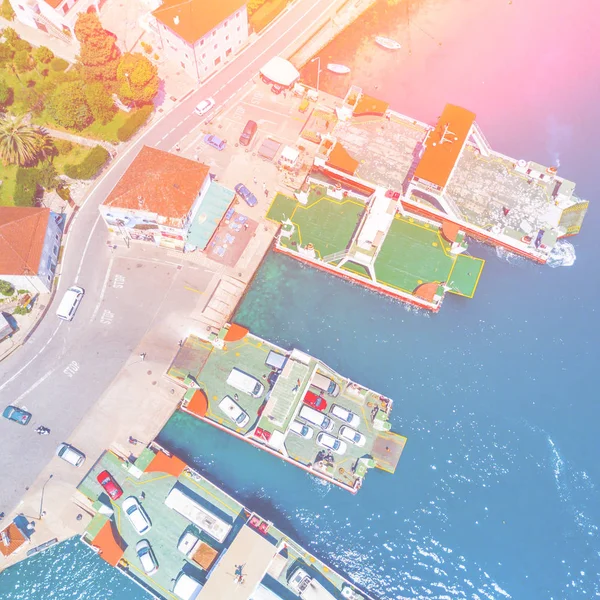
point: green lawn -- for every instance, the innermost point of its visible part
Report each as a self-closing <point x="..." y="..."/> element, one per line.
<point x="75" y="156"/>
<point x="7" y="189"/>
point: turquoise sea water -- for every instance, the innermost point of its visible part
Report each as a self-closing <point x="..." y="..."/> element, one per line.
<point x="496" y="495"/>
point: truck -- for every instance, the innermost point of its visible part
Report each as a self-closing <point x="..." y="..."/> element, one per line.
<point x="307" y="587"/>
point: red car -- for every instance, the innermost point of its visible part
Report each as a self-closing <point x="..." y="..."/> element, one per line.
<point x="111" y="487"/>
<point x="317" y="402"/>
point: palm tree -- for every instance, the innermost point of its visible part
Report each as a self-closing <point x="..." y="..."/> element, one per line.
<point x="22" y="144"/>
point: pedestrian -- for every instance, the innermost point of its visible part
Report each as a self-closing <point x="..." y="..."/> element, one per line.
<point x="246" y="226"/>
<point x="266" y="193"/>
<point x="177" y="147"/>
<point x="264" y="186"/>
<point x="143" y="495"/>
<point x="132" y="440"/>
<point x="235" y="397"/>
<point x="180" y="343"/>
<point x="143" y="356"/>
<point x="255" y="180"/>
<point x="1" y="516"/>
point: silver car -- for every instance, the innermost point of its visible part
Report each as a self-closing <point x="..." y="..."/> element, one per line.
<point x="136" y="514"/>
<point x="71" y="455"/>
<point x="146" y="556"/>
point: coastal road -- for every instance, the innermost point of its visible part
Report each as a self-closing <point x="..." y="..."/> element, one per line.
<point x="65" y="367"/>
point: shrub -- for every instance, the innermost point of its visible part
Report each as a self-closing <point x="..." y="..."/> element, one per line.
<point x="90" y="165"/>
<point x="68" y="106"/>
<point x="261" y="16"/>
<point x="26" y="187"/>
<point x="7" y="10"/>
<point x="10" y="35"/>
<point x="43" y="55"/>
<point x="22" y="292"/>
<point x="6" y="288"/>
<point x="134" y="122"/>
<point x="20" y="310"/>
<point x="6" y="53"/>
<point x="6" y="94"/>
<point x="19" y="45"/>
<point x="155" y="56"/>
<point x="64" y="192"/>
<point x="100" y="102"/>
<point x="63" y="146"/>
<point x="23" y="61"/>
<point x="58" y="64"/>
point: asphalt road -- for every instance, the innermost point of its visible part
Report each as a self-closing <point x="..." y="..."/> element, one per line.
<point x="65" y="367"/>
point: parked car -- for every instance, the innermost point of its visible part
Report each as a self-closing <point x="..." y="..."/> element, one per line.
<point x="111" y="487"/>
<point x="357" y="438"/>
<point x="136" y="514"/>
<point x="233" y="410"/>
<point x="12" y="413"/>
<point x="328" y="441"/>
<point x="301" y="429"/>
<point x="146" y="556"/>
<point x="203" y="107"/>
<point x="345" y="415"/>
<point x="316" y="401"/>
<point x="71" y="455"/>
<point x="215" y="142"/>
<point x="277" y="89"/>
<point x="68" y="305"/>
<point x="246" y="194"/>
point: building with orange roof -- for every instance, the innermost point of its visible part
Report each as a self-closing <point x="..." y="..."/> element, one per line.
<point x="157" y="198"/>
<point x="56" y="17"/>
<point x="200" y="34"/>
<point x="29" y="245"/>
<point x="12" y="539"/>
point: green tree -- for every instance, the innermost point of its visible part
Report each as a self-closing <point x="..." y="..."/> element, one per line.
<point x="99" y="54"/>
<point x="100" y="102"/>
<point x="10" y="35"/>
<point x="48" y="177"/>
<point x="6" y="94"/>
<point x="6" y="53"/>
<point x="7" y="10"/>
<point x="22" y="61"/>
<point x="43" y="55"/>
<point x="68" y="106"/>
<point x="6" y="288"/>
<point x="138" y="79"/>
<point x="22" y="144"/>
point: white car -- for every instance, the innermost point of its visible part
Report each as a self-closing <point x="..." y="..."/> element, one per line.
<point x="328" y="441"/>
<point x="146" y="556"/>
<point x="232" y="409"/>
<point x="71" y="455"/>
<point x="136" y="515"/>
<point x="345" y="415"/>
<point x="357" y="438"/>
<point x="203" y="107"/>
<point x="301" y="429"/>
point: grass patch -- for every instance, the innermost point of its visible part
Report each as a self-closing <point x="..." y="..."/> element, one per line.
<point x="8" y="175"/>
<point x="107" y="132"/>
<point x="266" y="14"/>
<point x="74" y="156"/>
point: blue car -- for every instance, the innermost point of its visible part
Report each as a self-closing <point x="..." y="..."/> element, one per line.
<point x="246" y="194"/>
<point x="215" y="142"/>
<point x="12" y="413"/>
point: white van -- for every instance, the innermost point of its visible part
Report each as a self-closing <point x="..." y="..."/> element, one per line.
<point x="233" y="410"/>
<point x="245" y="383"/>
<point x="316" y="418"/>
<point x="186" y="587"/>
<point x="68" y="305"/>
<point x="301" y="429"/>
<point x="326" y="384"/>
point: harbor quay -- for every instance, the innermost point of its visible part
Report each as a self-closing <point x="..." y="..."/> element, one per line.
<point x="287" y="403"/>
<point x="180" y="537"/>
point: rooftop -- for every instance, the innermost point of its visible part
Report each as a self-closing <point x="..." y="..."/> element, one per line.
<point x="285" y="390"/>
<point x="159" y="182"/>
<point x="444" y="144"/>
<point x="191" y="20"/>
<point x="255" y="553"/>
<point x="22" y="235"/>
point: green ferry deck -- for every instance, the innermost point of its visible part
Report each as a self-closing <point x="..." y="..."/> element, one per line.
<point x="287" y="378"/>
<point x="252" y="554"/>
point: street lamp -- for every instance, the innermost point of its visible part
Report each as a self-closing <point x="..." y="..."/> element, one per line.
<point x="42" y="498"/>
<point x="318" y="59"/>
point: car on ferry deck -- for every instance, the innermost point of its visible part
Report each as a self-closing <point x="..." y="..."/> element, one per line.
<point x="233" y="410"/>
<point x="111" y="487"/>
<point x="353" y="436"/>
<point x="345" y="415"/>
<point x="328" y="441"/>
<point x="136" y="514"/>
<point x="314" y="400"/>
<point x="146" y="555"/>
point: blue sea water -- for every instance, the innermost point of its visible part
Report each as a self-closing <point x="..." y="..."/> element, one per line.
<point x="496" y="495"/>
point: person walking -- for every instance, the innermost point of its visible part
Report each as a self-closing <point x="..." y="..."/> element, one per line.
<point x="143" y="356"/>
<point x="255" y="180"/>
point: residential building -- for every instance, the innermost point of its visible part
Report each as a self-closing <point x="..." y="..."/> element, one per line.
<point x="29" y="247"/>
<point x="56" y="17"/>
<point x="200" y="34"/>
<point x="157" y="198"/>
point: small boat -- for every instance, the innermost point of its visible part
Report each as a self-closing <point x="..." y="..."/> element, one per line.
<point x="388" y="43"/>
<point x="340" y="69"/>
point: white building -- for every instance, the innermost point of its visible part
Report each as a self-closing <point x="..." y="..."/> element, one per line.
<point x="200" y="34"/>
<point x="56" y="17"/>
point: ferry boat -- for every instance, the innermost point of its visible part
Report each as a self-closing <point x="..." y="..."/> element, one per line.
<point x="388" y="43"/>
<point x="339" y="69"/>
